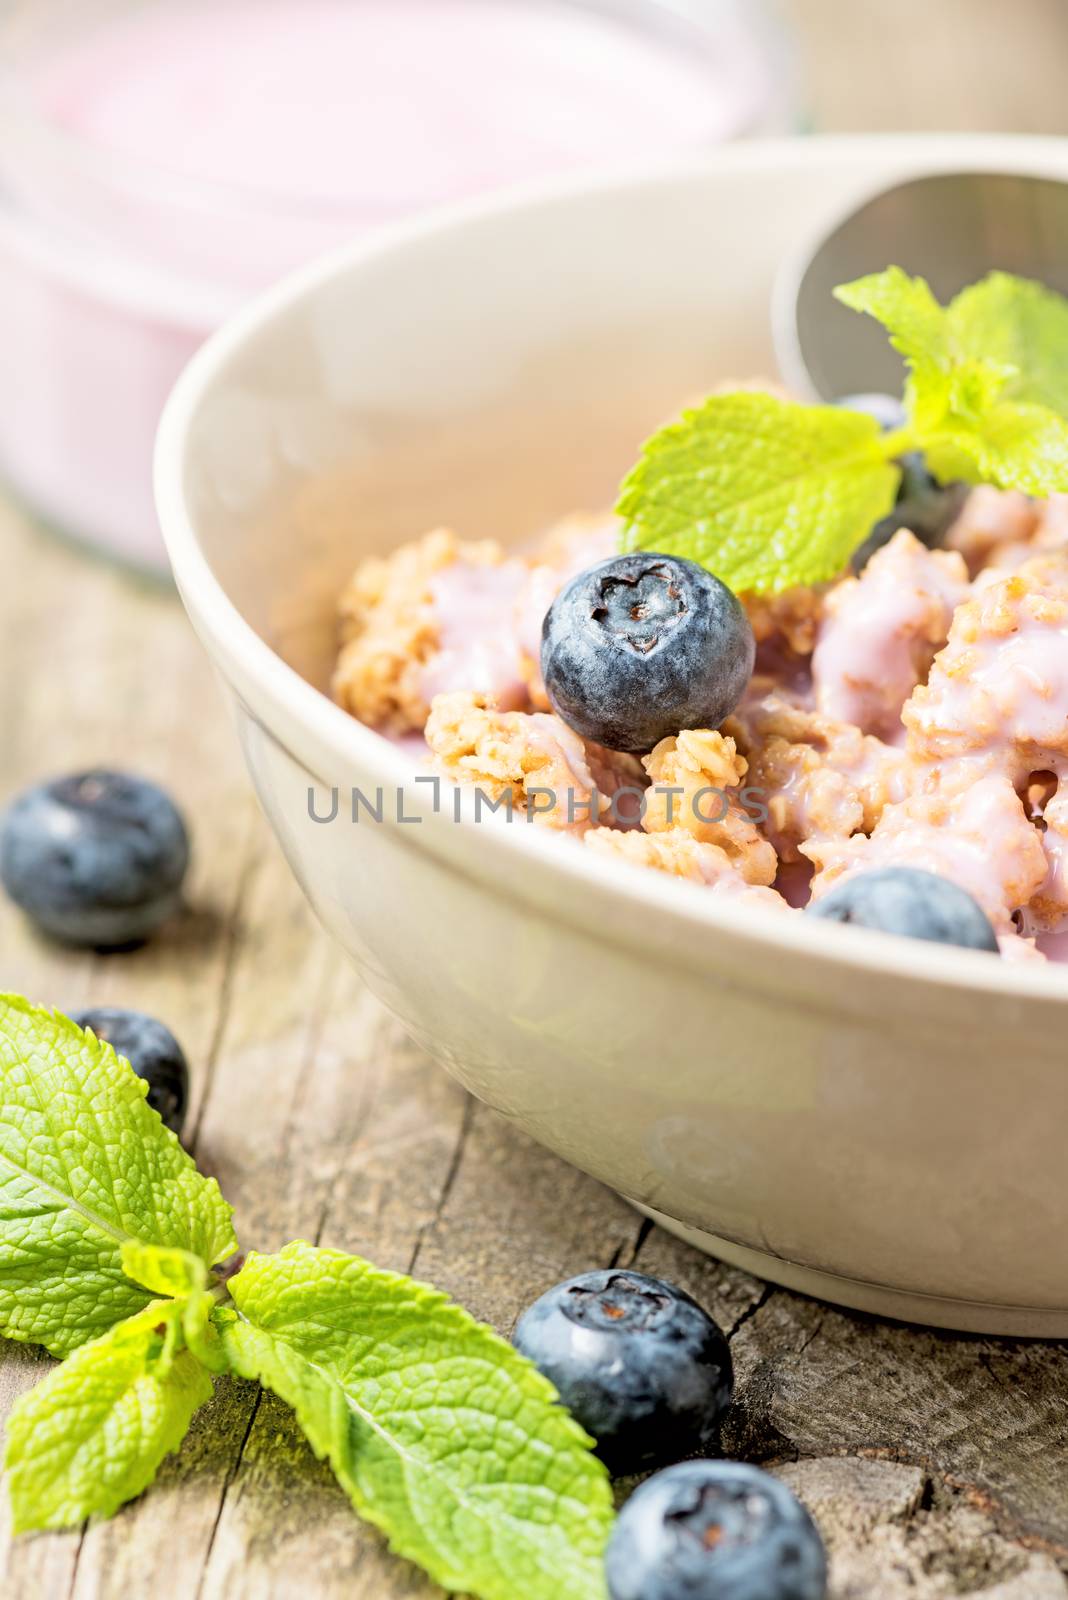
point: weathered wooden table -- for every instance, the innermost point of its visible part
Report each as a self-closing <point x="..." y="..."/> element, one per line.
<point x="937" y="1465"/>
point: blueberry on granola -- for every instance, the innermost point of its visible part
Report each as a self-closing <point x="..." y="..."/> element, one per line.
<point x="904" y="900"/>
<point x="640" y="1365"/>
<point x="644" y="645"/>
<point x="924" y="506"/>
<point x="715" y="1530"/>
<point x="95" y="859"/>
<point x="152" y="1051"/>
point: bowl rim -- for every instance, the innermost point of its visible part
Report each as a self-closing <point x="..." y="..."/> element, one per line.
<point x="629" y="905"/>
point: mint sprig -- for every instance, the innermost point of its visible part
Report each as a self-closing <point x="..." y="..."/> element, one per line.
<point x="976" y="413"/>
<point x="1023" y="326"/>
<point x="442" y="1435"/>
<point x="92" y="1434"/>
<point x="86" y="1169"/>
<point x="769" y="494"/>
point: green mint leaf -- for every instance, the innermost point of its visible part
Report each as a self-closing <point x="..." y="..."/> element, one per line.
<point x="918" y="330"/>
<point x="164" y="1270"/>
<point x="986" y="375"/>
<point x="769" y="495"/>
<point x="92" y="1434"/>
<point x="908" y="311"/>
<point x="443" y="1436"/>
<point x="765" y="493"/>
<point x="200" y="1333"/>
<point x="1013" y="446"/>
<point x="1022" y="326"/>
<point x="184" y="1277"/>
<point x="86" y="1167"/>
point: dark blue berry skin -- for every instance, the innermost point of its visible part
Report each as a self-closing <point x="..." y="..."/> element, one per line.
<point x="919" y="905"/>
<point x="644" y="1370"/>
<point x="924" y="506"/>
<point x="927" y="508"/>
<point x="95" y="859"/>
<point x="641" y="646"/>
<point x="715" y="1530"/>
<point x="152" y="1051"/>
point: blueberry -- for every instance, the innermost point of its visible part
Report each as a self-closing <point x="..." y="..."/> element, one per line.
<point x="636" y="1361"/>
<point x="715" y="1530"/>
<point x="924" y="506"/>
<point x="95" y="859"/>
<point x="904" y="900"/>
<point x="888" y="411"/>
<point x="641" y="646"/>
<point x="152" y="1051"/>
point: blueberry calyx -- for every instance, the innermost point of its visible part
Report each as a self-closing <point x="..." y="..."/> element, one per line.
<point x="626" y="1301"/>
<point x="641" y="607"/>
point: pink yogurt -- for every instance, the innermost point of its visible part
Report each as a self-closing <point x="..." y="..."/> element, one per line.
<point x="474" y="610"/>
<point x="160" y="162"/>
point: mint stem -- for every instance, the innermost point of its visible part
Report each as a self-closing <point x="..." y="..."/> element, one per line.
<point x="225" y="1270"/>
<point x="900" y="441"/>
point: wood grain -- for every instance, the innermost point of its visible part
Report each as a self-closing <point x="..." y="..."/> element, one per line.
<point x="950" y="65"/>
<point x="937" y="1465"/>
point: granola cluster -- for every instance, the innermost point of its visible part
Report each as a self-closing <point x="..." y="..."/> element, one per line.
<point x="545" y="771"/>
<point x="390" y="626"/>
<point x="441" y="614"/>
<point x="915" y="714"/>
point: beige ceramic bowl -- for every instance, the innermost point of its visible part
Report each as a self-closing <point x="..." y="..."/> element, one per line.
<point x="876" y="1121"/>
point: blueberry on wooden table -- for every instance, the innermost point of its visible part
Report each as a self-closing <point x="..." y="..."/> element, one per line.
<point x="907" y="901"/>
<point x="715" y="1530"/>
<point x="642" y="646"/>
<point x="640" y="1365"/>
<point x="95" y="859"/>
<point x="152" y="1051"/>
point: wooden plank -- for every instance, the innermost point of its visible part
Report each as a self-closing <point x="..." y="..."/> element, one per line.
<point x="107" y="674"/>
